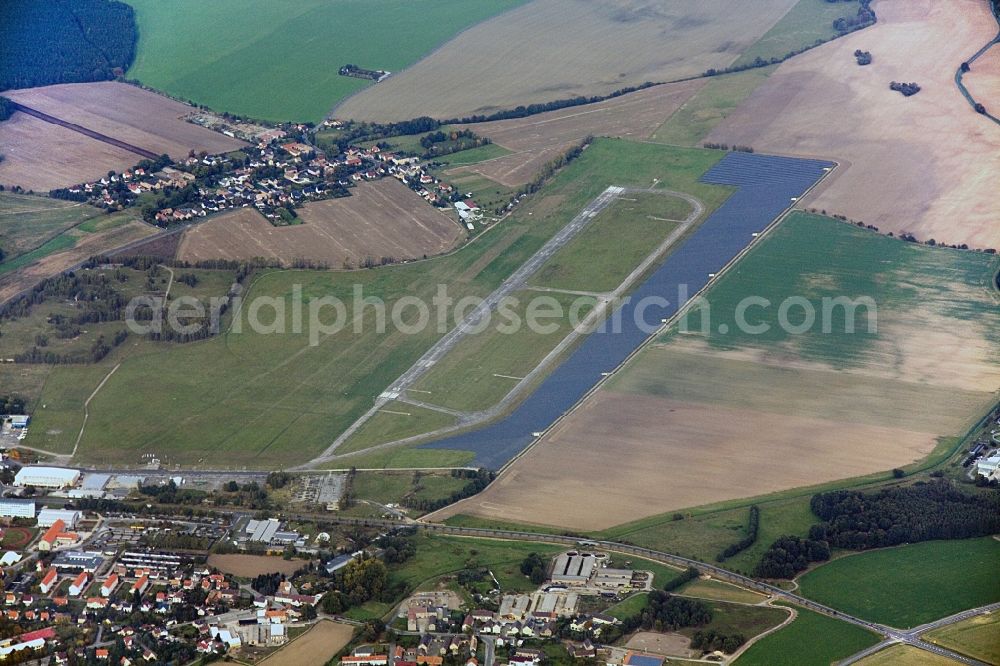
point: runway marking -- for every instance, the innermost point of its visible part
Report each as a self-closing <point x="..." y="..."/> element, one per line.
<point x="507" y="376"/>
<point x="389" y="411"/>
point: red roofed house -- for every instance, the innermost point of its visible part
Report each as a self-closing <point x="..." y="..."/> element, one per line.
<point x="79" y="583"/>
<point x="109" y="585"/>
<point x="49" y="580"/>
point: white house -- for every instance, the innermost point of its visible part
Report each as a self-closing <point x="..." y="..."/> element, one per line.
<point x="988" y="467"/>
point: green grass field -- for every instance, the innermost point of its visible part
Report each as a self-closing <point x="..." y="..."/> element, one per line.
<point x="397" y="420"/>
<point x="905" y="655"/>
<point x="810" y="640"/>
<point x="28" y="221"/>
<point x="909" y="585"/>
<point x="804" y="24"/>
<point x="279" y="61"/>
<point x="714" y="589"/>
<point x="720" y="96"/>
<point x="392" y="487"/>
<point x="629" y="607"/>
<point x="484" y="367"/>
<point x="277" y="399"/>
<point x="611" y="246"/>
<point x="977" y="637"/>
<point x="740" y="619"/>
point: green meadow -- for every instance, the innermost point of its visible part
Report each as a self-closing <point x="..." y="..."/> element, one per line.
<point x="279" y="60"/>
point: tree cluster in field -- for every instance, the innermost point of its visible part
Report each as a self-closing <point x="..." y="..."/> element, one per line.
<point x="267" y="584"/>
<point x="666" y="612"/>
<point x="864" y="18"/>
<point x="398" y="548"/>
<point x="6" y="108"/>
<point x="533" y="566"/>
<point x="457" y="140"/>
<point x="64" y="41"/>
<point x="12" y="404"/>
<point x="681" y="579"/>
<point x="790" y="555"/>
<point x="904" y="514"/>
<point x="725" y="146"/>
<point x="169" y="493"/>
<point x="863" y="57"/>
<point x="249" y="495"/>
<point x="278" y="480"/>
<point x="907" y="89"/>
<point x="357" y="582"/>
<point x="753" y="526"/>
<point x="478" y="480"/>
<point x="709" y="640"/>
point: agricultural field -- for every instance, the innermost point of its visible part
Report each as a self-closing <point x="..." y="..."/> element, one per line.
<point x="804" y="24"/>
<point x="810" y="640"/>
<point x="28" y="222"/>
<point x="909" y="585"/>
<point x="538" y="139"/>
<point x="710" y="105"/>
<point x="316" y="646"/>
<point x="383" y="218"/>
<point x="587" y="49"/>
<point x="714" y="589"/>
<point x="280" y="61"/>
<point x="313" y="391"/>
<point x="40" y="156"/>
<point x="823" y="103"/>
<point x="127" y="113"/>
<point x="975" y="637"/>
<point x="983" y="80"/>
<point x="61" y="252"/>
<point x="926" y="373"/>
<point x="905" y="654"/>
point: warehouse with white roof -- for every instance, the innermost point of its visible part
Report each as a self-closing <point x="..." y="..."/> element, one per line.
<point x="47" y="477"/>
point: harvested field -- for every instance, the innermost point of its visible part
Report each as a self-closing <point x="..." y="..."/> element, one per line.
<point x="983" y="80"/>
<point x="539" y="139"/>
<point x="925" y="165"/>
<point x="553" y="49"/>
<point x="665" y="644"/>
<point x="248" y="566"/>
<point x="380" y="219"/>
<point x="317" y="646"/>
<point x="651" y="441"/>
<point x="81" y="247"/>
<point x="127" y="113"/>
<point x="691" y="414"/>
<point x="41" y="156"/>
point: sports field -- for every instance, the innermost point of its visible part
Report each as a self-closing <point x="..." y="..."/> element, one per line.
<point x="975" y="637"/>
<point x="810" y="640"/>
<point x="823" y="103"/>
<point x="587" y="49"/>
<point x="279" y="61"/>
<point x="909" y="585"/>
<point x="928" y="371"/>
<point x="219" y="387"/>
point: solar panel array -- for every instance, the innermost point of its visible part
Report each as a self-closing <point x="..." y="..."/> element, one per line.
<point x="766" y="185"/>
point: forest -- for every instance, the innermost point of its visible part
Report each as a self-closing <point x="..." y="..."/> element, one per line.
<point x="64" y="41"/>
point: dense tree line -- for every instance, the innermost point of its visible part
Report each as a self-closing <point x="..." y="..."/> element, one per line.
<point x="267" y="584"/>
<point x="897" y="515"/>
<point x="709" y="640"/>
<point x="753" y="526"/>
<point x="6" y="108"/>
<point x="12" y="404"/>
<point x="864" y="18"/>
<point x="64" y="41"/>
<point x="478" y="480"/>
<point x="790" y="555"/>
<point x="533" y="109"/>
<point x="533" y="566"/>
<point x="681" y="579"/>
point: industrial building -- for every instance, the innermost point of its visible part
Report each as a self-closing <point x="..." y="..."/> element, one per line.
<point x="988" y="467"/>
<point x="48" y="517"/>
<point x="613" y="578"/>
<point x="262" y="530"/>
<point x="47" y="477"/>
<point x="17" y="508"/>
<point x="78" y="559"/>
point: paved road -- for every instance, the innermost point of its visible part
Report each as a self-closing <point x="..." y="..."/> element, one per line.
<point x="514" y="282"/>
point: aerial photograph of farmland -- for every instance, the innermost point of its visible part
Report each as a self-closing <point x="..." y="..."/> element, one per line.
<point x="500" y="332"/>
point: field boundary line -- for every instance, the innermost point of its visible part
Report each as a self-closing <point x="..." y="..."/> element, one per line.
<point x="86" y="408"/>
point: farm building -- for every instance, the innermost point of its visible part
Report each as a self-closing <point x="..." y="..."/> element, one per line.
<point x="16" y="508"/>
<point x="19" y="421"/>
<point x="46" y="477"/>
<point x="48" y="517"/>
<point x="613" y="578"/>
<point x="988" y="467"/>
<point x="573" y="568"/>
